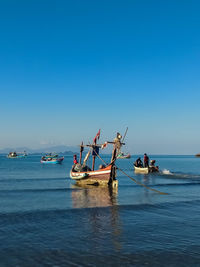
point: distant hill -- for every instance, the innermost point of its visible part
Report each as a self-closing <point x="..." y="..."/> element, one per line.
<point x="53" y="149"/>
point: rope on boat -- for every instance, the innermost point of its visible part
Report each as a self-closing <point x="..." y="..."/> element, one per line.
<point x="99" y="157"/>
<point x="104" y="160"/>
<point x="139" y="183"/>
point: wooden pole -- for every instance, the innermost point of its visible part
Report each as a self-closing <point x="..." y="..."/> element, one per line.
<point x="94" y="149"/>
<point x="93" y="162"/>
<point x="125" y="134"/>
<point x="113" y="168"/>
<point x="114" y="155"/>
<point x="81" y="152"/>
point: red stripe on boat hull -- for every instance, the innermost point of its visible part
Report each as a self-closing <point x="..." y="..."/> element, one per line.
<point x="98" y="175"/>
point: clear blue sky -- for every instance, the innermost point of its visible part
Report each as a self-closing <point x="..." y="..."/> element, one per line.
<point x="68" y="68"/>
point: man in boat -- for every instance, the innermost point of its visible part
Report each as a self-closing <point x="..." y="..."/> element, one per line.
<point x="152" y="166"/>
<point x="146" y="160"/>
<point x="138" y="163"/>
<point x="75" y="160"/>
<point x="117" y="142"/>
<point x="77" y="167"/>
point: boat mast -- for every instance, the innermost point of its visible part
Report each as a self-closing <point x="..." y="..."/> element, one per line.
<point x="81" y="152"/>
<point x="94" y="155"/>
<point x="94" y="146"/>
<point x="93" y="162"/>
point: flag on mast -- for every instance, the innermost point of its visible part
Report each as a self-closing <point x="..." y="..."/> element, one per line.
<point x="96" y="137"/>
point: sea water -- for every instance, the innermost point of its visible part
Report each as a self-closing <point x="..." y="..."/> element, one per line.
<point x="46" y="220"/>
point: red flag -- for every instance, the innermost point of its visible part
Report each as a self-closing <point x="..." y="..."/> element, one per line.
<point x="96" y="137"/>
<point x="98" y="134"/>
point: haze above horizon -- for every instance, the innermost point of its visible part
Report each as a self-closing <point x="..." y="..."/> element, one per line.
<point x="69" y="68"/>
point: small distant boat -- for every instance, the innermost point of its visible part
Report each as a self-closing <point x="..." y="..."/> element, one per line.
<point x="50" y="160"/>
<point x="197" y="155"/>
<point x="15" y="155"/>
<point x="123" y="156"/>
<point x="146" y="170"/>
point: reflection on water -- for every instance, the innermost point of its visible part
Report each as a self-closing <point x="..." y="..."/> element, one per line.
<point x="102" y="222"/>
<point x="91" y="196"/>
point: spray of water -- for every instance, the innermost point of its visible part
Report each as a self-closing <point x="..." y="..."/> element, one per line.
<point x="167" y="172"/>
<point x="180" y="175"/>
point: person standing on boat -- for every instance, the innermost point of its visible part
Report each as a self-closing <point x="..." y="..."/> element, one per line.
<point x="146" y="160"/>
<point x="117" y="142"/>
<point x="75" y="160"/>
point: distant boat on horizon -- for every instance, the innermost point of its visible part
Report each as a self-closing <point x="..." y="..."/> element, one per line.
<point x="15" y="155"/>
<point x="52" y="159"/>
<point x="197" y="155"/>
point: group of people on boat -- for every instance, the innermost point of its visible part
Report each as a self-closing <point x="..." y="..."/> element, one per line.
<point x="138" y="163"/>
<point x="145" y="163"/>
<point x="44" y="158"/>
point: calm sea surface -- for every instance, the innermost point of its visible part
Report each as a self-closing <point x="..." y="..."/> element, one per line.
<point x="46" y="220"/>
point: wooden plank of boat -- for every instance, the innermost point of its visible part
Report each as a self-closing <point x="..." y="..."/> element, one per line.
<point x="95" y="176"/>
<point x="141" y="170"/>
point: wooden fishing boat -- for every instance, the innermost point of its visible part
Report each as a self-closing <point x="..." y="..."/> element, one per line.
<point x="45" y="160"/>
<point x="15" y="155"/>
<point x="105" y="174"/>
<point x="100" y="175"/>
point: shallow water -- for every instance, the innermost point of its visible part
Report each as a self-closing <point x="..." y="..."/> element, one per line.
<point x="46" y="220"/>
